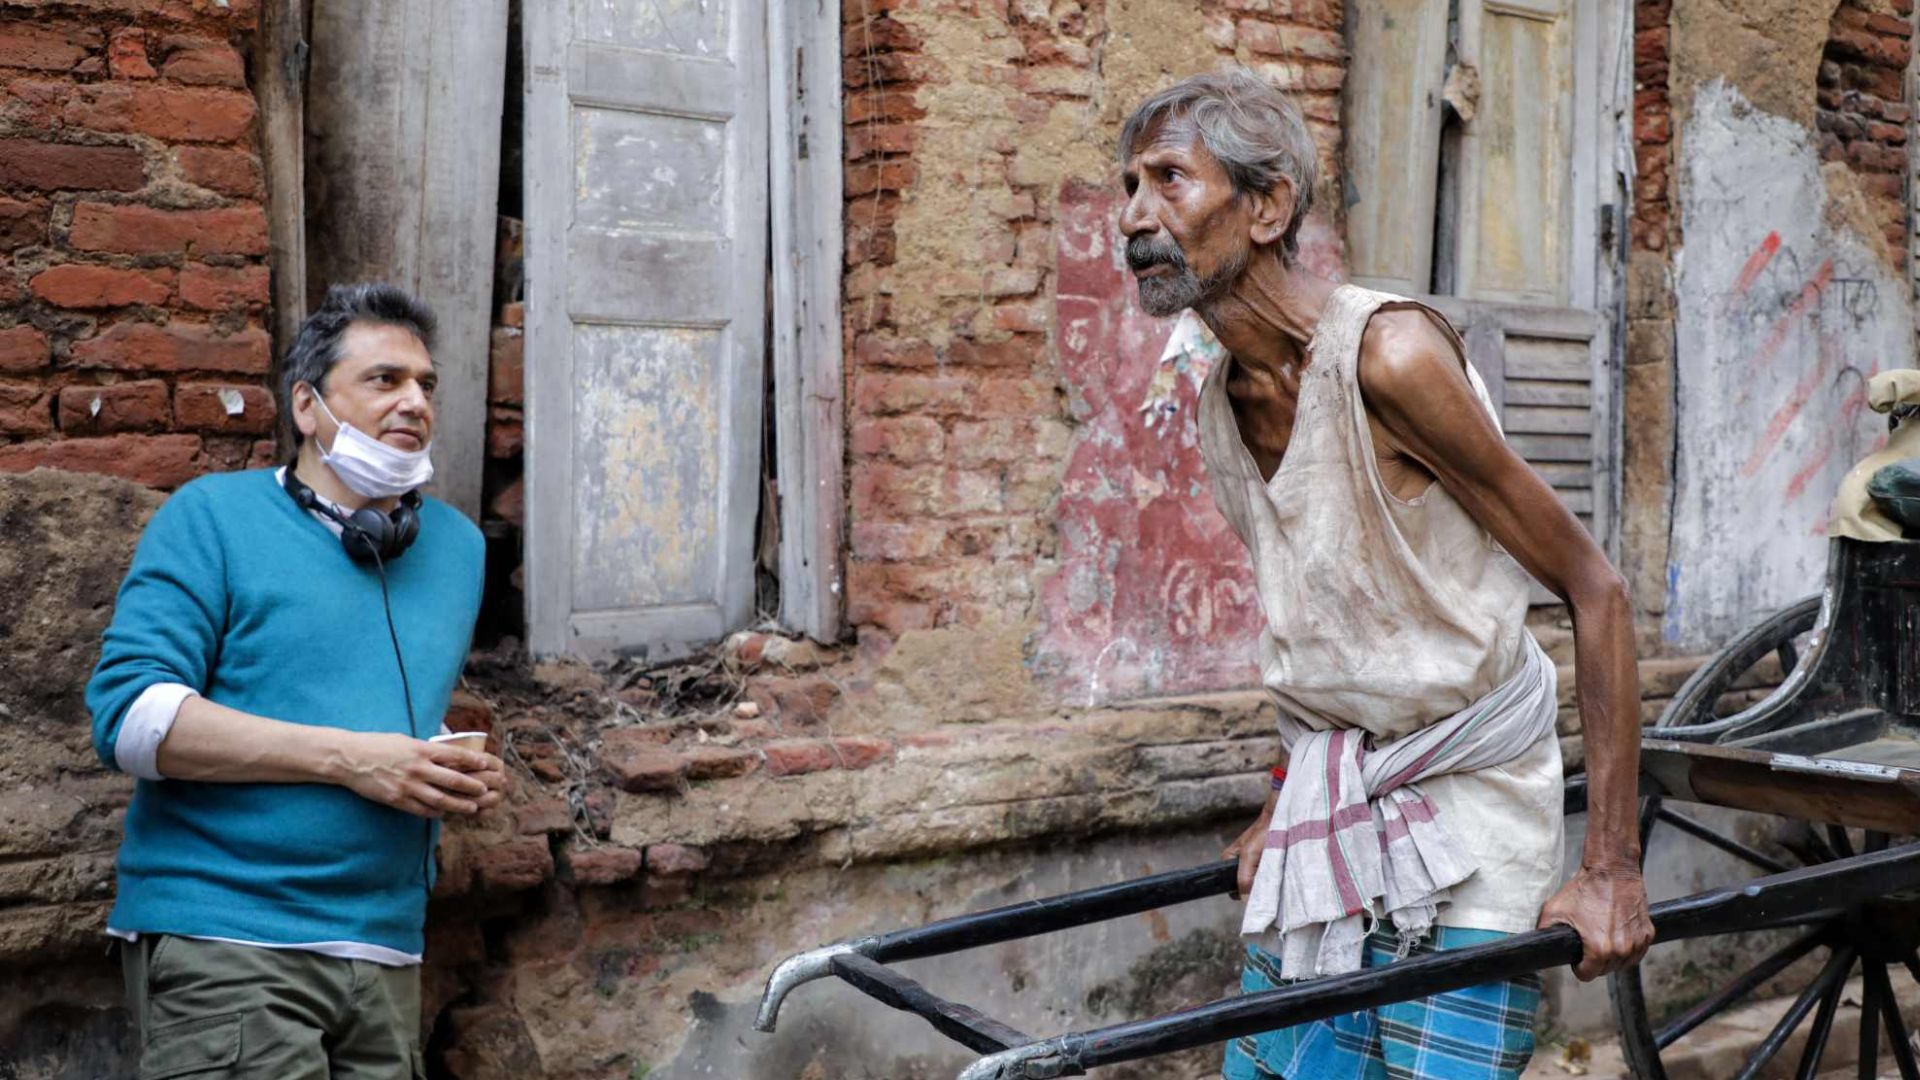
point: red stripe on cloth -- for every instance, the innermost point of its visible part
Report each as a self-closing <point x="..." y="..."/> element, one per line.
<point x="1342" y="874"/>
<point x="1319" y="828"/>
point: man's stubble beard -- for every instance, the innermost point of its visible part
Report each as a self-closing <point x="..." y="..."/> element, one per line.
<point x="1170" y="294"/>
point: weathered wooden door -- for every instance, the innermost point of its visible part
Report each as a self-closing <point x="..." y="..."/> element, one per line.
<point x="646" y="203"/>
<point x="1510" y="217"/>
<point x="403" y="164"/>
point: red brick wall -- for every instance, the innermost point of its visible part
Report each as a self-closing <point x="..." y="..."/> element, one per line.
<point x="133" y="240"/>
<point x="959" y="429"/>
<point x="1652" y="125"/>
<point x="1863" y="109"/>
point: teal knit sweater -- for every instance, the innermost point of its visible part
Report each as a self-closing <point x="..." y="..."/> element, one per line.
<point x="241" y="595"/>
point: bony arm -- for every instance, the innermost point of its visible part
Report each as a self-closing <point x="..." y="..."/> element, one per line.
<point x="1415" y="384"/>
<point x="211" y="742"/>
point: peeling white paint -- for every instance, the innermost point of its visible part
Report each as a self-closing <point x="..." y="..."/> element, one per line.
<point x="1190" y="353"/>
<point x="647" y="461"/>
<point x="1780" y="319"/>
<point x="691" y="27"/>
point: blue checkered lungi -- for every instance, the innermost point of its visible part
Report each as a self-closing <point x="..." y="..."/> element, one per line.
<point x="1481" y="1033"/>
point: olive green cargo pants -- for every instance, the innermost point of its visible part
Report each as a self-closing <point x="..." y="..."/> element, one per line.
<point x="206" y="1009"/>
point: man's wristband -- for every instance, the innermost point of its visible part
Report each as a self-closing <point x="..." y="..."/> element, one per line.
<point x="1279" y="776"/>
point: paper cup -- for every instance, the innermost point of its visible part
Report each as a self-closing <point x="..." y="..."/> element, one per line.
<point x="475" y="741"/>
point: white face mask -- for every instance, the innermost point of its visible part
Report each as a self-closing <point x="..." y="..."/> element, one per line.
<point x="370" y="467"/>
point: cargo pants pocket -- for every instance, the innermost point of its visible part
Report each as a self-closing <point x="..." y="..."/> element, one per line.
<point x="190" y="1047"/>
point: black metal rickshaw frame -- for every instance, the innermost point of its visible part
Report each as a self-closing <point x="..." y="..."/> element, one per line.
<point x="1826" y="747"/>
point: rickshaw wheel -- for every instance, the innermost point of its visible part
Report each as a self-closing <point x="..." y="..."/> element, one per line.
<point x="1872" y="939"/>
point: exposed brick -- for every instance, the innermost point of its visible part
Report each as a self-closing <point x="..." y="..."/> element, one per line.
<point x="506" y="432"/>
<point x="889" y="175"/>
<point x="506" y="373"/>
<point x="793" y="757"/>
<point x="1021" y="318"/>
<point x="513" y="865"/>
<point x="204" y="63"/>
<point x="26" y="408"/>
<point x="467" y="711"/>
<point x="895" y="492"/>
<point x="1014" y="397"/>
<point x="46" y="166"/>
<point x="859" y="752"/>
<point x="225" y="288"/>
<point x="1293" y="41"/>
<point x="637" y="765"/>
<point x="541" y="815"/>
<point x="141" y="230"/>
<point x="160" y="461"/>
<point x="604" y="865"/>
<point x="203" y="407"/>
<point x="876" y="351"/>
<point x="22" y="224"/>
<point x="884" y="394"/>
<point x="870" y="607"/>
<point x="880" y="139"/>
<point x="908" y="440"/>
<point x="1018" y="351"/>
<point x="1875" y="157"/>
<point x="186" y="114"/>
<point x="101" y="410"/>
<point x="719" y="762"/>
<point x="45" y="46"/>
<point x="178" y="346"/>
<point x="127" y="55"/>
<point x="78" y="286"/>
<point x="672" y="860"/>
<point x="897" y="541"/>
<point x="1890" y="134"/>
<point x="510" y="505"/>
<point x="229" y="172"/>
<point x="23" y="348"/>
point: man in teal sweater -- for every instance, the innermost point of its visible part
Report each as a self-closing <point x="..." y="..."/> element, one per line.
<point x="274" y="674"/>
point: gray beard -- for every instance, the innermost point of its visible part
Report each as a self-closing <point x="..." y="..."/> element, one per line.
<point x="1170" y="294"/>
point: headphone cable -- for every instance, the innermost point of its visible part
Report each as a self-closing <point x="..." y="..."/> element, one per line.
<point x="406" y="689"/>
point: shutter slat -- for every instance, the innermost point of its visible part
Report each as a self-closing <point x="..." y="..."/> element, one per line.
<point x="1566" y="448"/>
<point x="1550" y="359"/>
<point x="1535" y="392"/>
<point x="1547" y="421"/>
<point x="1564" y="474"/>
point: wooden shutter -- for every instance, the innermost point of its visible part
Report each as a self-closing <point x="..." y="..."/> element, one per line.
<point x="1516" y="165"/>
<point x="646" y="193"/>
<point x="1539" y="365"/>
<point x="1398" y="62"/>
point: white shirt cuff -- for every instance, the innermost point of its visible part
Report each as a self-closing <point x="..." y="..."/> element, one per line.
<point x="145" y="727"/>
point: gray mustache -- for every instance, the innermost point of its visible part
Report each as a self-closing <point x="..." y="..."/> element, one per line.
<point x="1143" y="252"/>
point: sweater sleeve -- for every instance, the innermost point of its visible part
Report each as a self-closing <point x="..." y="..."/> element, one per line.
<point x="167" y="619"/>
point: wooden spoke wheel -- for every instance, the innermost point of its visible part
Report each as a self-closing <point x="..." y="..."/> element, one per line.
<point x="1811" y="961"/>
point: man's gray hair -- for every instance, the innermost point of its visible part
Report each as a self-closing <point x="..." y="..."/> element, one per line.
<point x="1256" y="132"/>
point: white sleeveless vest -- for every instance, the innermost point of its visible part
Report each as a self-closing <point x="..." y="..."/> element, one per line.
<point x="1386" y="614"/>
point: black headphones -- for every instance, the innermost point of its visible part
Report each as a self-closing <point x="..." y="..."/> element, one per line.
<point x="367" y="534"/>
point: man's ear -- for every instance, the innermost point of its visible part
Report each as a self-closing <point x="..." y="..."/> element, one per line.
<point x="1272" y="211"/>
<point x="304" y="420"/>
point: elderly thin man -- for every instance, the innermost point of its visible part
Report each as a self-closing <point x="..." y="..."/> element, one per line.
<point x="1392" y="530"/>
